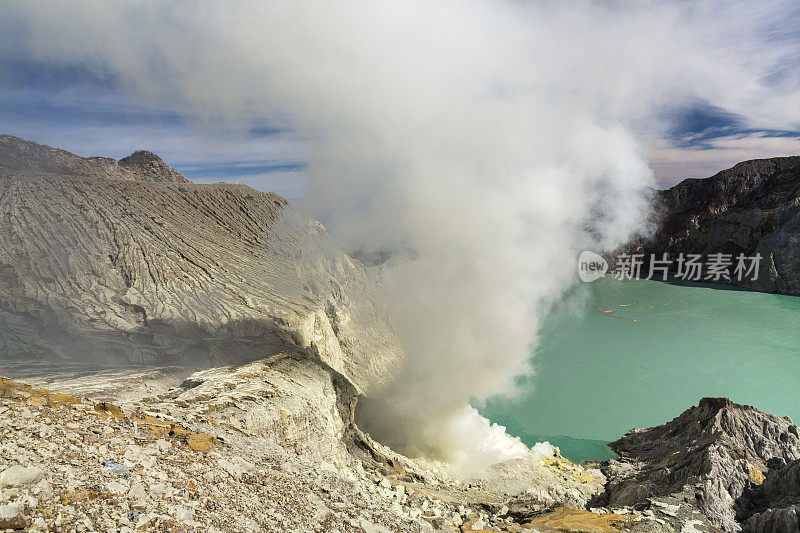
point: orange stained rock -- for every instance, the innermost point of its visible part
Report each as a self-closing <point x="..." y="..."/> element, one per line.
<point x="756" y="476"/>
<point x="57" y="399"/>
<point x="13" y="390"/>
<point x="81" y="494"/>
<point x="200" y="442"/>
<point x="149" y="420"/>
<point x="20" y="392"/>
<point x="568" y="519"/>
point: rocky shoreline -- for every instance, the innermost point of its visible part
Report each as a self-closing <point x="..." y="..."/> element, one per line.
<point x="69" y="463"/>
<point x="74" y="464"/>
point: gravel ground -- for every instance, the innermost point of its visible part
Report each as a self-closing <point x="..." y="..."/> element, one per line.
<point x="72" y="464"/>
<point x="72" y="468"/>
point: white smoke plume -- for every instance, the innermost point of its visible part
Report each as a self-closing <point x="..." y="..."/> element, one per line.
<point x="487" y="141"/>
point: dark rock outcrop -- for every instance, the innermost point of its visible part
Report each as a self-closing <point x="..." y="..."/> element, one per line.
<point x="128" y="261"/>
<point x="720" y="464"/>
<point x="751" y="208"/>
<point x="778" y="502"/>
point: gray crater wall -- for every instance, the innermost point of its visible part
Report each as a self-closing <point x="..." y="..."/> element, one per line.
<point x="143" y="266"/>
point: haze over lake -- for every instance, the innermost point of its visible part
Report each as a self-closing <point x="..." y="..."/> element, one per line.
<point x="614" y="355"/>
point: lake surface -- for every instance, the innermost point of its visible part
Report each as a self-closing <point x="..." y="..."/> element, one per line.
<point x="614" y="355"/>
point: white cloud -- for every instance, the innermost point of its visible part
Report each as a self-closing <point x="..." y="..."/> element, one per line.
<point x="671" y="165"/>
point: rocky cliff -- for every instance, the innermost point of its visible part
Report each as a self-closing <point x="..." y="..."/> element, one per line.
<point x="751" y="208"/>
<point x="128" y="261"/>
<point x="718" y="466"/>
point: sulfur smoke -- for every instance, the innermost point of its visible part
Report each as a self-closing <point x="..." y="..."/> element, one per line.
<point x="479" y="144"/>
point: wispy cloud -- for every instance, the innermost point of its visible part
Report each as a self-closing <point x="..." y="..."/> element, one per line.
<point x="85" y="111"/>
<point x="671" y="164"/>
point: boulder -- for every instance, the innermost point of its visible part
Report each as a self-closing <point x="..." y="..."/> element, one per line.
<point x="20" y="476"/>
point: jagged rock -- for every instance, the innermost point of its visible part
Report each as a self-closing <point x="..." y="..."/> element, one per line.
<point x="168" y="486"/>
<point x="782" y="485"/>
<point x="106" y="263"/>
<point x="707" y="465"/>
<point x="10" y="517"/>
<point x="782" y="520"/>
<point x="261" y="476"/>
<point x="128" y="261"/>
<point x="751" y="208"/>
<point x="777" y="501"/>
<point x="538" y="485"/>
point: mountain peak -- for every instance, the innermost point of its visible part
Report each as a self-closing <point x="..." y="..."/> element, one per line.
<point x="152" y="165"/>
<point x="710" y="459"/>
<point x="141" y="158"/>
<point x="27" y="157"/>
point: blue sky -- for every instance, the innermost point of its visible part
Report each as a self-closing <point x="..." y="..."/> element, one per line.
<point x="89" y="111"/>
<point x="698" y="126"/>
<point x="703" y="139"/>
<point x="84" y="112"/>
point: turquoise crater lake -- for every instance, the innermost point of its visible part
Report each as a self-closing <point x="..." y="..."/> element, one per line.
<point x="614" y="355"/>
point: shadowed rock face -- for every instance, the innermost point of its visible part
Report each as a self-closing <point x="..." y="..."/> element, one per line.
<point x="129" y="261"/>
<point x="751" y="208"/>
<point x="709" y="464"/>
<point x="778" y="503"/>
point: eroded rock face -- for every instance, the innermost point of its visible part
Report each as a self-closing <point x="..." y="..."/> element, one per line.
<point x="128" y="261"/>
<point x="777" y="503"/>
<point x="286" y="401"/>
<point x="709" y="464"/>
<point x="751" y="208"/>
